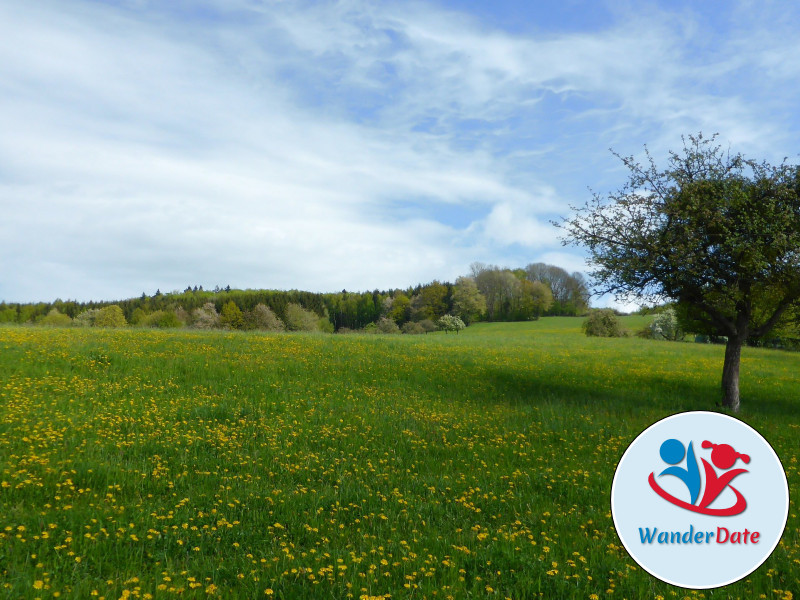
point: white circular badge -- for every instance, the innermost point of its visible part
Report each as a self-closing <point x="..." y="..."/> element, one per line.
<point x="699" y="500"/>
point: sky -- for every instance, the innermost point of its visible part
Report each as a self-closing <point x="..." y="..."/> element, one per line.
<point x="350" y="144"/>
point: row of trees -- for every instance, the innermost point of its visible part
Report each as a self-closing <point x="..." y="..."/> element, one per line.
<point x="488" y="293"/>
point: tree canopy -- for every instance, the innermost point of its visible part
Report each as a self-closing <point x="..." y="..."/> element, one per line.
<point x="714" y="231"/>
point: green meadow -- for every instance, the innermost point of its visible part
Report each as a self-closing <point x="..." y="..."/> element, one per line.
<point x="180" y="464"/>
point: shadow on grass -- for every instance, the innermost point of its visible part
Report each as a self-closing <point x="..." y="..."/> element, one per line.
<point x="650" y="393"/>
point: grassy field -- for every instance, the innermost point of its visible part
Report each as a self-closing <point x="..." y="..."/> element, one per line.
<point x="151" y="464"/>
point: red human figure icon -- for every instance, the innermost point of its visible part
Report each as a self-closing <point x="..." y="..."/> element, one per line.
<point x="724" y="457"/>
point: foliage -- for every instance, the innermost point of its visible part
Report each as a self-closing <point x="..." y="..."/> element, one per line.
<point x="387" y="325"/>
<point x="8" y="314"/>
<point x="427" y="325"/>
<point x="602" y="322"/>
<point x="300" y="319"/>
<point x="86" y="318"/>
<point x="110" y="316"/>
<point x="399" y="308"/>
<point x="161" y="319"/>
<point x="570" y="292"/>
<point x="468" y="302"/>
<point x="715" y="232"/>
<point x="56" y="319"/>
<point x="231" y="317"/>
<point x="449" y="323"/>
<point x="665" y="326"/>
<point x="262" y="317"/>
<point x="511" y="295"/>
<point x="205" y="317"/>
<point x="431" y="302"/>
<point x="412" y="328"/>
<point x="137" y="316"/>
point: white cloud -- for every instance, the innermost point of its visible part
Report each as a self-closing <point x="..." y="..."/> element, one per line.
<point x="338" y="144"/>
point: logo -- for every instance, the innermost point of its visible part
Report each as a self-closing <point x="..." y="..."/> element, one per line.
<point x="699" y="500"/>
<point x="723" y="456"/>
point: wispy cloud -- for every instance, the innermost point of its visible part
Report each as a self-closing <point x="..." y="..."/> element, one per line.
<point x="337" y="144"/>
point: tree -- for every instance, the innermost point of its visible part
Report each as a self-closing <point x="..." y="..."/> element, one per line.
<point x="570" y="292"/>
<point x="450" y="323"/>
<point x="497" y="286"/>
<point x="718" y="233"/>
<point x="110" y="316"/>
<point x="534" y="298"/>
<point x="231" y="316"/>
<point x="431" y="302"/>
<point x="468" y="302"/>
<point x="399" y="308"/>
<point x="665" y="326"/>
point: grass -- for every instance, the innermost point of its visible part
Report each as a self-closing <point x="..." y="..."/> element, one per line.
<point x="159" y="464"/>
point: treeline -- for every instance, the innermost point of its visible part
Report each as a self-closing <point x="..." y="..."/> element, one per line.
<point x="488" y="293"/>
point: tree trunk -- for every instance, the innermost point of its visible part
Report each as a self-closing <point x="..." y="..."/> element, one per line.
<point x="730" y="374"/>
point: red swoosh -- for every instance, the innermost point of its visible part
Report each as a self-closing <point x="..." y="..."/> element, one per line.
<point x="737" y="508"/>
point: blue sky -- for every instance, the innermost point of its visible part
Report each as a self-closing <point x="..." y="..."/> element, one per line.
<point x="351" y="144"/>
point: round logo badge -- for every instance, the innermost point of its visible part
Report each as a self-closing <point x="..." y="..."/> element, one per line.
<point x="699" y="500"/>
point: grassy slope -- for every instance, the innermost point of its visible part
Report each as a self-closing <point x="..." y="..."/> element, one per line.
<point x="429" y="466"/>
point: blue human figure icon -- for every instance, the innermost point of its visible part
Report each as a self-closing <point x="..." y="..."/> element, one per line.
<point x="672" y="452"/>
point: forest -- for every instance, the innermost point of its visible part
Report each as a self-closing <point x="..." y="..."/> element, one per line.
<point x="487" y="293"/>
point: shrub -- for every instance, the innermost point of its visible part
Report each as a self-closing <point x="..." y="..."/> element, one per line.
<point x="324" y="325"/>
<point x="413" y="328"/>
<point x="205" y="317"/>
<point x="110" y="316"/>
<point x="86" y="318"/>
<point x="262" y="317"/>
<point x="231" y="317"/>
<point x="56" y="319"/>
<point x="386" y="325"/>
<point x="602" y="322"/>
<point x="163" y="319"/>
<point x="427" y="325"/>
<point x="300" y="319"/>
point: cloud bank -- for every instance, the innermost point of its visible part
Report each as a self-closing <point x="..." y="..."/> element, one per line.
<point x="347" y="144"/>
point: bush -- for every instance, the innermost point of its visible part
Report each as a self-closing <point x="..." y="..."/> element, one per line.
<point x="324" y="325"/>
<point x="665" y="326"/>
<point x="602" y="322"/>
<point x="110" y="316"/>
<point x="262" y="317"/>
<point x="450" y="323"/>
<point x="86" y="318"/>
<point x="56" y="319"/>
<point x="300" y="319"/>
<point x="163" y="319"/>
<point x="386" y="325"/>
<point x="427" y="325"/>
<point x="231" y="317"/>
<point x="205" y="317"/>
<point x="412" y="328"/>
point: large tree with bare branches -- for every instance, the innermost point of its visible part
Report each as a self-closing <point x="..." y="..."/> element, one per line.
<point x="714" y="231"/>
